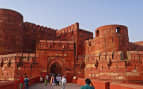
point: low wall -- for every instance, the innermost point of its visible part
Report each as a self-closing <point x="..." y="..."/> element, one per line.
<point x="125" y="86"/>
<point x="15" y="84"/>
<point x="9" y="85"/>
<point x="106" y="85"/>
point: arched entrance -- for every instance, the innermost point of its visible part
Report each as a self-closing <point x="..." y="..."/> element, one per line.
<point x="56" y="68"/>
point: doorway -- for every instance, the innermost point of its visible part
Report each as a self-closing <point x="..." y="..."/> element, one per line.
<point x="56" y="68"/>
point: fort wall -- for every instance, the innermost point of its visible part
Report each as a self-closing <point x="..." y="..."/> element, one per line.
<point x="83" y="35"/>
<point x="138" y="46"/>
<point x="108" y="56"/>
<point x="114" y="66"/>
<point x="34" y="33"/>
<point x="12" y="66"/>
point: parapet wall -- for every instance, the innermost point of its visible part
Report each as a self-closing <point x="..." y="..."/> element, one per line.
<point x="37" y="28"/>
<point x="71" y="28"/>
<point x="136" y="46"/>
<point x="68" y="33"/>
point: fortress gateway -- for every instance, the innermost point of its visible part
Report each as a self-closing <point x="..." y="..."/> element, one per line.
<point x="27" y="48"/>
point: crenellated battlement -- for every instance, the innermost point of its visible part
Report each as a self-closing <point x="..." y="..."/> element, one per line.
<point x="34" y="33"/>
<point x="39" y="28"/>
<point x="18" y="54"/>
<point x="68" y="29"/>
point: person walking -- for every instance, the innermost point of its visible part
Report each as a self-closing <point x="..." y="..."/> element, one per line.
<point x="88" y="85"/>
<point x="21" y="81"/>
<point x="46" y="79"/>
<point x="26" y="82"/>
<point x="64" y="81"/>
<point x="55" y="80"/>
<point x="52" y="80"/>
<point x="58" y="80"/>
<point x="41" y="79"/>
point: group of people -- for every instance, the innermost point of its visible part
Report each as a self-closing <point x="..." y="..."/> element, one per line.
<point x="54" y="80"/>
<point x="24" y="82"/>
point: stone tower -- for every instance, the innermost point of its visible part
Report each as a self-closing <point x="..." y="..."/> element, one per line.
<point x="112" y="38"/>
<point x="10" y="31"/>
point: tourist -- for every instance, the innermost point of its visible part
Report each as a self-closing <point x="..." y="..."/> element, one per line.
<point x="58" y="78"/>
<point x="88" y="85"/>
<point x="55" y="80"/>
<point x="49" y="78"/>
<point x="64" y="81"/>
<point x="46" y="79"/>
<point x="26" y="82"/>
<point x="21" y="81"/>
<point x="52" y="80"/>
<point x="41" y="78"/>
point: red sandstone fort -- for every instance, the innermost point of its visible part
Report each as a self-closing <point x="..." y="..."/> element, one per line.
<point x="27" y="48"/>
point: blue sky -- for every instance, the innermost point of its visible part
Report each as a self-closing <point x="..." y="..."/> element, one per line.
<point x="89" y="13"/>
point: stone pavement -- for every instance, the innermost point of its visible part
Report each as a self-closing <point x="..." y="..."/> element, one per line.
<point x="42" y="86"/>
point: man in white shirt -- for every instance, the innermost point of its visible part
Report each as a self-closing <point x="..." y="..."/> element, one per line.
<point x="64" y="81"/>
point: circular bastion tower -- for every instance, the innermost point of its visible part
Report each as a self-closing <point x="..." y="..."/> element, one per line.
<point x="10" y="31"/>
<point x="112" y="38"/>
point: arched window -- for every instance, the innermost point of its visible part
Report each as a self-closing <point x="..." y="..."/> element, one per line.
<point x="118" y="30"/>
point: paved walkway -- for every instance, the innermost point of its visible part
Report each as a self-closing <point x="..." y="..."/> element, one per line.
<point x="42" y="86"/>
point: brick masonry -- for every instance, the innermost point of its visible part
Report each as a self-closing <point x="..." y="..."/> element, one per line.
<point x="28" y="48"/>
